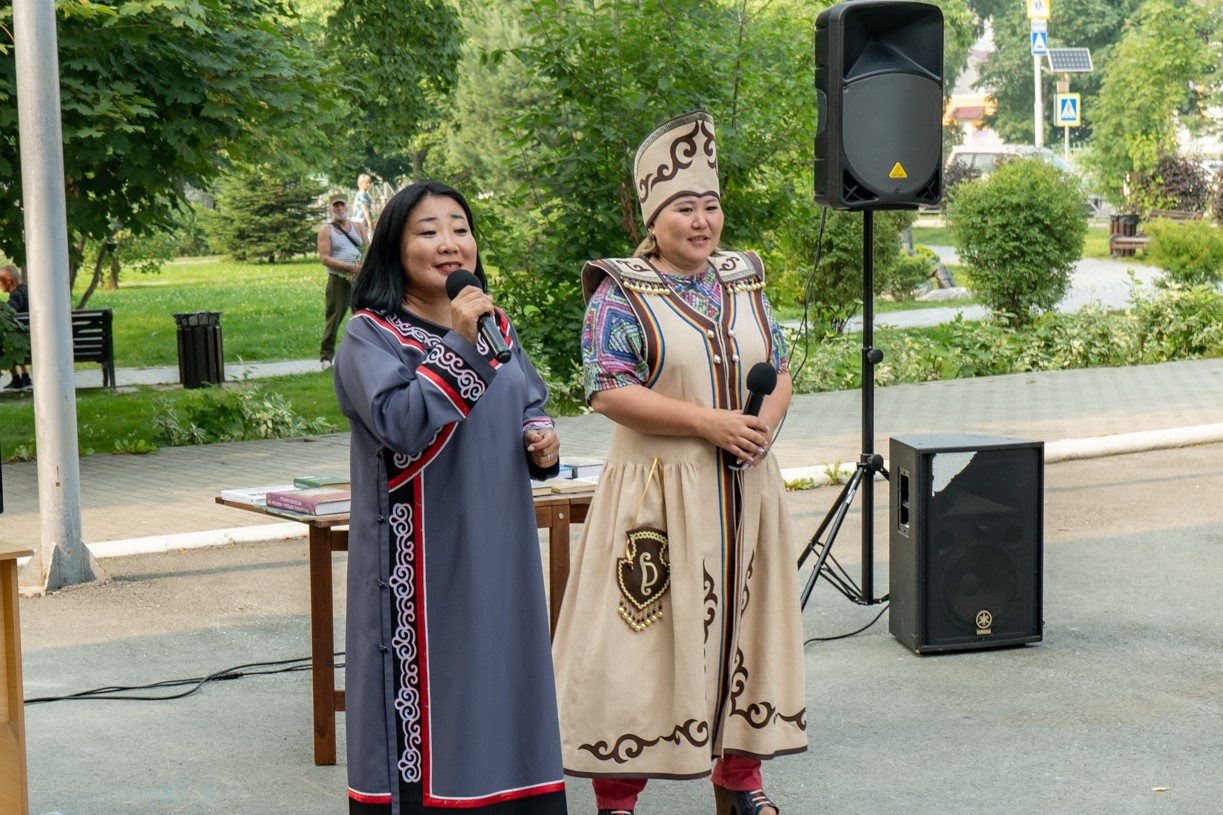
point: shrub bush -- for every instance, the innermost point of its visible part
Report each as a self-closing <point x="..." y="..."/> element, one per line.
<point x="835" y="291"/>
<point x="1176" y="183"/>
<point x="233" y="414"/>
<point x="1189" y="252"/>
<point x="1163" y="324"/>
<point x="1020" y="232"/>
<point x="910" y="271"/>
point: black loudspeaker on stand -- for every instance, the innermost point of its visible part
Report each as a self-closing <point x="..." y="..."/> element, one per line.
<point x="878" y="145"/>
<point x="965" y="541"/>
<point x="879" y="87"/>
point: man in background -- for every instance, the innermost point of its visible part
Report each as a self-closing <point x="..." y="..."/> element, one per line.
<point x="19" y="301"/>
<point x="341" y="242"/>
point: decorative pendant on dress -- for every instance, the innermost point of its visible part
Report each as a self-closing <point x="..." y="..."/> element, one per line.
<point x="644" y="577"/>
<point x="644" y="573"/>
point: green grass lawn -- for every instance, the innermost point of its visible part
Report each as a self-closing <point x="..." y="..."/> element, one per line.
<point x="268" y="311"/>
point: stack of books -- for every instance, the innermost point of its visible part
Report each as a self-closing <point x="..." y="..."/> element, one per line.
<point x="332" y="500"/>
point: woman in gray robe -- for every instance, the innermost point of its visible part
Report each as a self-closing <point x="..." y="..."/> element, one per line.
<point x="450" y="696"/>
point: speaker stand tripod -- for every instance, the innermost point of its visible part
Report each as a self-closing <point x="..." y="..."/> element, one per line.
<point x="868" y="464"/>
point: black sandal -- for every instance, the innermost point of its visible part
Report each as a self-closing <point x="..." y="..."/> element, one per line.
<point x="742" y="802"/>
<point x="615" y="812"/>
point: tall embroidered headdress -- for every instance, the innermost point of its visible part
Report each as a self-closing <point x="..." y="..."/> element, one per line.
<point x="678" y="158"/>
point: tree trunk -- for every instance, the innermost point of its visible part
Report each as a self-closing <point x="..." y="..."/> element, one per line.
<point x="97" y="275"/>
<point x="114" y="272"/>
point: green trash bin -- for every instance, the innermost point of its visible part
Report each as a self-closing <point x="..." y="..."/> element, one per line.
<point x="200" y="361"/>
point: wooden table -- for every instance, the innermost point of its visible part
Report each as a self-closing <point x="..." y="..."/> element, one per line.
<point x="14" y="793"/>
<point x="329" y="533"/>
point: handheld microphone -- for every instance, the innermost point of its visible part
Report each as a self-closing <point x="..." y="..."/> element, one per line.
<point x="461" y="279"/>
<point x="761" y="380"/>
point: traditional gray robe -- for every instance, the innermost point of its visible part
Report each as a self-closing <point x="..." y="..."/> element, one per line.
<point x="449" y="687"/>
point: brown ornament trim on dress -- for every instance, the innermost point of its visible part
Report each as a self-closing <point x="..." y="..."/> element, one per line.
<point x="632" y="745"/>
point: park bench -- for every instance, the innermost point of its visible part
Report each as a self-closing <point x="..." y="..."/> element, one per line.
<point x="93" y="339"/>
<point x="1125" y="245"/>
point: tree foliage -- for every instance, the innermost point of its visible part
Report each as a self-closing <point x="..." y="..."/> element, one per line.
<point x="1093" y="24"/>
<point x="156" y="96"/>
<point x="1155" y="79"/>
<point x="1020" y="231"/>
<point x="264" y="213"/>
<point x="395" y="61"/>
<point x="613" y="69"/>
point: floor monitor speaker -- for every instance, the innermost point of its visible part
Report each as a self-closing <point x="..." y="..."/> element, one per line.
<point x="965" y="541"/>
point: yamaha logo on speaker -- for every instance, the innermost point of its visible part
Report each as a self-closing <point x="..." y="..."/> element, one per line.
<point x="984" y="622"/>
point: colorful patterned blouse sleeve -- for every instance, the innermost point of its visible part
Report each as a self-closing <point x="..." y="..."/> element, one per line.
<point x="613" y="344"/>
<point x="781" y="359"/>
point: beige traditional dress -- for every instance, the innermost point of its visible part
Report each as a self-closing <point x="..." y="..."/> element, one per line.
<point x="721" y="670"/>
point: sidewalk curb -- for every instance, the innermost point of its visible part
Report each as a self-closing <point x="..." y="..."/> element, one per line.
<point x="1056" y="451"/>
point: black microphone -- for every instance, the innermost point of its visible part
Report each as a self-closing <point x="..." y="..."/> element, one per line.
<point x="461" y="279"/>
<point x="761" y="380"/>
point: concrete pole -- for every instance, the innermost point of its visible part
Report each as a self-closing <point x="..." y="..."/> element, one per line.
<point x="61" y="558"/>
<point x="1038" y="110"/>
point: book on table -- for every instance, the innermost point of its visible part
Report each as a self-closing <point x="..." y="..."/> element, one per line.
<point x="312" y="500"/>
<point x="562" y="485"/>
<point x="577" y="467"/>
<point x="253" y="496"/>
<point x="302" y="482"/>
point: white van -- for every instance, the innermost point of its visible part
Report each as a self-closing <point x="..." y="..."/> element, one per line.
<point x="983" y="158"/>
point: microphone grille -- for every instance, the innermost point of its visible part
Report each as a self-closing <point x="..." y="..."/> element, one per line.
<point x="458" y="280"/>
<point x="762" y="378"/>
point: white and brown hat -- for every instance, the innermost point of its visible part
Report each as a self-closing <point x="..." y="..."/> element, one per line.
<point x="678" y="158"/>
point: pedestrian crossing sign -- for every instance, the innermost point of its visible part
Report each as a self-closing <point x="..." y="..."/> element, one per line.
<point x="1040" y="43"/>
<point x="1069" y="112"/>
<point x="1038" y="9"/>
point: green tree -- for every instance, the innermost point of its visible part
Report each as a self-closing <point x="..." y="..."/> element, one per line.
<point x="1007" y="76"/>
<point x="1157" y="78"/>
<point x="395" y="62"/>
<point x="474" y="145"/>
<point x="264" y="214"/>
<point x="1020" y="231"/>
<point x="156" y="96"/>
<point x="610" y="71"/>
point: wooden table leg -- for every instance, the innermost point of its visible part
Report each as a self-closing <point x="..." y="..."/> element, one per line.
<point x="322" y="645"/>
<point x="14" y="795"/>
<point x="558" y="562"/>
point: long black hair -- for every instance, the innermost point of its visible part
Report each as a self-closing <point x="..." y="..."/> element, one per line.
<point x="382" y="281"/>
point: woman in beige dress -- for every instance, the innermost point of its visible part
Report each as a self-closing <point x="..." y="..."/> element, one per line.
<point x="679" y="647"/>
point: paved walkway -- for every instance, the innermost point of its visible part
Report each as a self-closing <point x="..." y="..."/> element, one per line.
<point x="165" y="499"/>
